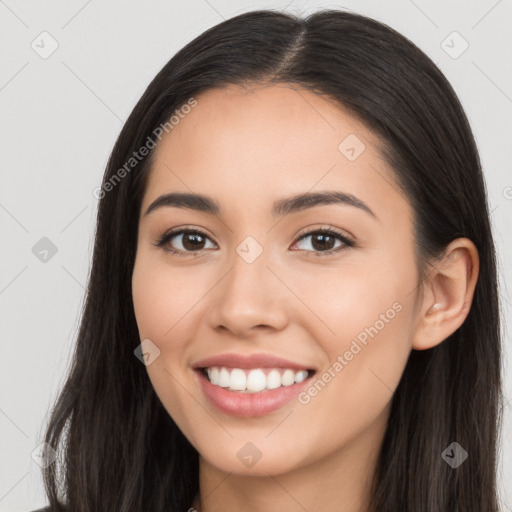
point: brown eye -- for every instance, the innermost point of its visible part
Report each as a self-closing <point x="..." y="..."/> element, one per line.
<point x="191" y="241"/>
<point x="324" y="241"/>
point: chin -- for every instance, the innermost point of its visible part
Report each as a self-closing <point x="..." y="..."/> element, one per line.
<point x="246" y="458"/>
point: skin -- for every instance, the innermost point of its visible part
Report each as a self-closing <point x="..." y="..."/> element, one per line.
<point x="247" y="148"/>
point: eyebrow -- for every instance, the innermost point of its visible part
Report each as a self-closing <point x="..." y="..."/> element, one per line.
<point x="281" y="207"/>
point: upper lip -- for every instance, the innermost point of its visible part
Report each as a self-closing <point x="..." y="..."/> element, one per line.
<point x="231" y="360"/>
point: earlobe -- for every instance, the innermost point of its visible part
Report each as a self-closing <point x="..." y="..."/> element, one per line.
<point x="448" y="295"/>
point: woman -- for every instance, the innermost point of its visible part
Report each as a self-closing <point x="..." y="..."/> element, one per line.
<point x="293" y="297"/>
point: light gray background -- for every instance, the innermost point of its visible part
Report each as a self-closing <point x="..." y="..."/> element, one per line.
<point x="60" y="117"/>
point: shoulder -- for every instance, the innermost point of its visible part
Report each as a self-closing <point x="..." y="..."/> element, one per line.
<point x="44" y="509"/>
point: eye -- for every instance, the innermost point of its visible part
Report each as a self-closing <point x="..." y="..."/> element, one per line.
<point x="193" y="241"/>
<point x="322" y="241"/>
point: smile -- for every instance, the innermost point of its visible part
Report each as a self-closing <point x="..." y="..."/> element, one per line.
<point x="253" y="380"/>
<point x="247" y="403"/>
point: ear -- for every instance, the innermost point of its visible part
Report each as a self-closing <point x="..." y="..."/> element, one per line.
<point x="448" y="294"/>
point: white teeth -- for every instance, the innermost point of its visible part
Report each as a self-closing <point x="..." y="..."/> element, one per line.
<point x="300" y="376"/>
<point x="288" y="378"/>
<point x="238" y="380"/>
<point x="213" y="375"/>
<point x="255" y="380"/>
<point x="273" y="379"/>
<point x="223" y="378"/>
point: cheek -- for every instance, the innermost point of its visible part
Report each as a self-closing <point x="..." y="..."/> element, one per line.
<point x="163" y="305"/>
<point x="352" y="393"/>
<point x="360" y="302"/>
<point x="164" y="298"/>
<point x="363" y="320"/>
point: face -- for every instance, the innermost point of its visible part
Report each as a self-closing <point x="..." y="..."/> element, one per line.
<point x="311" y="300"/>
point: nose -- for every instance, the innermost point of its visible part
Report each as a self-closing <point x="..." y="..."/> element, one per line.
<point x="249" y="298"/>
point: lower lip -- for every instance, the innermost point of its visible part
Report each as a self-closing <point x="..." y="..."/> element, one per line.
<point x="250" y="404"/>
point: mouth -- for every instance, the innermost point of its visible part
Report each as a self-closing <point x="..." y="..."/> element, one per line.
<point x="256" y="380"/>
<point x="251" y="392"/>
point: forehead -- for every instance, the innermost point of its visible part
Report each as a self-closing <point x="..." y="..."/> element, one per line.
<point x="247" y="145"/>
<point x="269" y="122"/>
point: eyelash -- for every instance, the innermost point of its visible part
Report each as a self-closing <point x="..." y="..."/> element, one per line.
<point x="348" y="243"/>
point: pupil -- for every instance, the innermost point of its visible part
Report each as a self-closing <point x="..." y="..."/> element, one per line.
<point x="325" y="239"/>
<point x="192" y="247"/>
